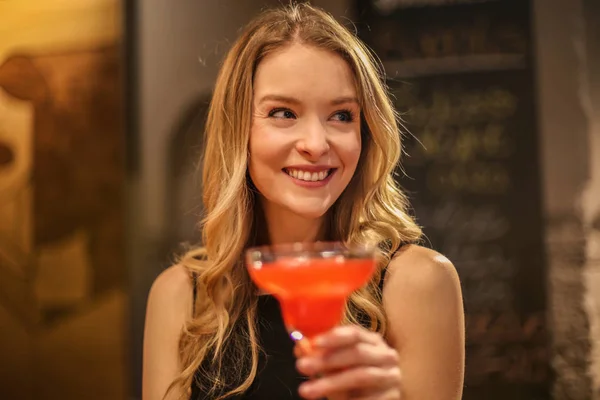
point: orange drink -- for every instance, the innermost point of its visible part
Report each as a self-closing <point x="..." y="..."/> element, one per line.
<point x="312" y="282"/>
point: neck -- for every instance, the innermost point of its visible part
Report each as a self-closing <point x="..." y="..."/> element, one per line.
<point x="286" y="227"/>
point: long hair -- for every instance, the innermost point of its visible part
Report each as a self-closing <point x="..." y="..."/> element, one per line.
<point x="219" y="347"/>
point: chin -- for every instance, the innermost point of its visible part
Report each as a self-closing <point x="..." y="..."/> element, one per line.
<point x="312" y="214"/>
<point x="308" y="212"/>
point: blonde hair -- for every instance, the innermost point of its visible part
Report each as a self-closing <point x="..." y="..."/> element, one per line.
<point x="219" y="345"/>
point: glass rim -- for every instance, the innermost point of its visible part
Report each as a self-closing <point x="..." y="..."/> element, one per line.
<point x="324" y="248"/>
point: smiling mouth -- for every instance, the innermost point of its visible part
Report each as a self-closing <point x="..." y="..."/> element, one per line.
<point x="308" y="176"/>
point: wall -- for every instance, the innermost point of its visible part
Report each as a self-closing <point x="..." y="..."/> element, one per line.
<point x="591" y="192"/>
<point x="569" y="111"/>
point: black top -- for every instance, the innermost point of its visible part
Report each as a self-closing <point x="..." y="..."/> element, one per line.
<point x="277" y="377"/>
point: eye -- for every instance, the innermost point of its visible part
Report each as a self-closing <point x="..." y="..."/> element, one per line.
<point x="344" y="116"/>
<point x="283" y="113"/>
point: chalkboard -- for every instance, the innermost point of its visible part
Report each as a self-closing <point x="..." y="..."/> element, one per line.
<point x="462" y="78"/>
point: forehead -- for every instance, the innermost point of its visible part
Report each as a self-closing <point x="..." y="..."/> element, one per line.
<point x="304" y="71"/>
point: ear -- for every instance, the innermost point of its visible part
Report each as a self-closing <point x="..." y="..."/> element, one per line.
<point x="20" y="78"/>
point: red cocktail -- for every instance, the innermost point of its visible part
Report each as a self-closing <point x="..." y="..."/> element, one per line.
<point x="312" y="281"/>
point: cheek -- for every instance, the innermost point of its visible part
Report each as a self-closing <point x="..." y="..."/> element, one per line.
<point x="350" y="152"/>
<point x="263" y="151"/>
<point x="256" y="165"/>
<point x="269" y="146"/>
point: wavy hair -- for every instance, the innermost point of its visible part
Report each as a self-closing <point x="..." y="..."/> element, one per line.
<point x="219" y="348"/>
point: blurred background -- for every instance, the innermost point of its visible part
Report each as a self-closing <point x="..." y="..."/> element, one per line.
<point x="102" y="106"/>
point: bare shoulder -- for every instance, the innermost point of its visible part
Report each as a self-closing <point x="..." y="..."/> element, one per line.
<point x="423" y="268"/>
<point x="422" y="298"/>
<point x="169" y="307"/>
<point x="173" y="287"/>
<point x="422" y="279"/>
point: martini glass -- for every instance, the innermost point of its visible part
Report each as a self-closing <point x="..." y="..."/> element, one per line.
<point x="311" y="281"/>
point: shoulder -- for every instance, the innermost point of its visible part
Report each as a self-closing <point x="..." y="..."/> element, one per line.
<point x="422" y="269"/>
<point x="171" y="296"/>
<point x="173" y="287"/>
<point x="168" y="308"/>
<point x="421" y="283"/>
<point x="421" y="298"/>
<point x="170" y="300"/>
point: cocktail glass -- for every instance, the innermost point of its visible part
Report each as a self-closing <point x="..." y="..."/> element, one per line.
<point x="311" y="281"/>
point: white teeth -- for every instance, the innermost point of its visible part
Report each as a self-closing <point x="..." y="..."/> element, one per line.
<point x="308" y="176"/>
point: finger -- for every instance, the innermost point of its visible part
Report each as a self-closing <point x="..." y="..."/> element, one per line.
<point x="346" y="336"/>
<point x="298" y="351"/>
<point x="338" y="396"/>
<point x="364" y="378"/>
<point x="364" y="354"/>
<point x="302" y="348"/>
<point x="389" y="394"/>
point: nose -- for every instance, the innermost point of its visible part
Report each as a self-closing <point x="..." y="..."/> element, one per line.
<point x="314" y="142"/>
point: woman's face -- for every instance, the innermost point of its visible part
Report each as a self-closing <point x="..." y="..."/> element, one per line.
<point x="305" y="139"/>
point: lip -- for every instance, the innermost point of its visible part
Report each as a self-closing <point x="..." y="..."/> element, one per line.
<point x="311" y="184"/>
<point x="311" y="168"/>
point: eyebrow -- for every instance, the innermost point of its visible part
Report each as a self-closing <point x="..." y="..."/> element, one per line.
<point x="293" y="100"/>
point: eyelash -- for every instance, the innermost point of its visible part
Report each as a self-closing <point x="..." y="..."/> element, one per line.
<point x="350" y="113"/>
<point x="276" y="110"/>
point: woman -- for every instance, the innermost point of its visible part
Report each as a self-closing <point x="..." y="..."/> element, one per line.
<point x="301" y="144"/>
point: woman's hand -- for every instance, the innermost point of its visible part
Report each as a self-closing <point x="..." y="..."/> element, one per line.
<point x="352" y="363"/>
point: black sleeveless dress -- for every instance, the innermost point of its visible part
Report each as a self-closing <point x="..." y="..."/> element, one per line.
<point x="277" y="377"/>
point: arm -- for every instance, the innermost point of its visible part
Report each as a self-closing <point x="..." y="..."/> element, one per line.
<point x="169" y="306"/>
<point x="423" y="357"/>
<point x="422" y="299"/>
